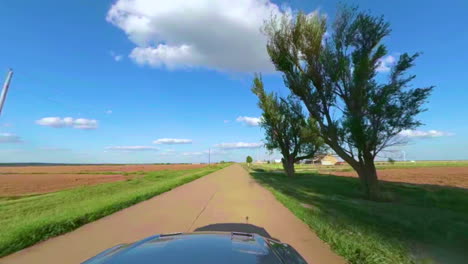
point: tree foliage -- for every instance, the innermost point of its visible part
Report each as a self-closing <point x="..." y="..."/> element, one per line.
<point x="248" y="160"/>
<point x="335" y="75"/>
<point x="287" y="128"/>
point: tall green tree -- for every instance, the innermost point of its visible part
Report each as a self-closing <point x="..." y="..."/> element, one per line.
<point x="248" y="160"/>
<point x="335" y="74"/>
<point x="287" y="128"/>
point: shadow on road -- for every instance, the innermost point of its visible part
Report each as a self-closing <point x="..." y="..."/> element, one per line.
<point x="235" y="227"/>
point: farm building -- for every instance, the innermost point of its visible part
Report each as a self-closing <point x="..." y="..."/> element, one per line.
<point x="323" y="160"/>
<point x="326" y="159"/>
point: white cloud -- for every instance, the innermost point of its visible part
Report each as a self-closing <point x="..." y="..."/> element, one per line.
<point x="116" y="57"/>
<point x="424" y="134"/>
<point x="9" y="138"/>
<point x="250" y="121"/>
<point x="239" y="145"/>
<point x="82" y="123"/>
<point x="58" y="122"/>
<point x="385" y="63"/>
<point x="172" y="141"/>
<point x="109" y="112"/>
<point x="222" y="35"/>
<point x="132" y="148"/>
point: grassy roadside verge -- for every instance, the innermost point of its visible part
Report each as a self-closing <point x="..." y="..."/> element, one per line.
<point x="29" y="219"/>
<point x="419" y="225"/>
<point x="380" y="166"/>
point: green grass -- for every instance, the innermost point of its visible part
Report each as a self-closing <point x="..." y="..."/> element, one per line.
<point x="379" y="165"/>
<point x="29" y="219"/>
<point x="419" y="225"/>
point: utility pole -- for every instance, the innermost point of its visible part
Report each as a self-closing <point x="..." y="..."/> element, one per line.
<point x="5" y="89"/>
<point x="404" y="155"/>
<point x="209" y="156"/>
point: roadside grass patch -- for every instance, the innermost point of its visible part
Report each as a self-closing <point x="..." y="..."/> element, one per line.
<point x="29" y="219"/>
<point x="311" y="168"/>
<point x="418" y="224"/>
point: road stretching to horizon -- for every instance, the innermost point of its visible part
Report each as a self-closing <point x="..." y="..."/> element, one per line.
<point x="229" y="195"/>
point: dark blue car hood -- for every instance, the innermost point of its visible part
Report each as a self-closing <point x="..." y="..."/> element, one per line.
<point x="201" y="247"/>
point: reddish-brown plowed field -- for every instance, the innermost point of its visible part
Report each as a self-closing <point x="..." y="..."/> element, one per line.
<point x="18" y="184"/>
<point x="42" y="179"/>
<point x="97" y="168"/>
<point x="444" y="176"/>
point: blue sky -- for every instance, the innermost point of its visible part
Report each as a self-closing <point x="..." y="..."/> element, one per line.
<point x="127" y="73"/>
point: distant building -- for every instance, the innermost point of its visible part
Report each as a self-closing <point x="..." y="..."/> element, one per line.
<point x="327" y="160"/>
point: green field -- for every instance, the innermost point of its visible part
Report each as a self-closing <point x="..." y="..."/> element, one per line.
<point x="417" y="225"/>
<point x="379" y="165"/>
<point x="27" y="220"/>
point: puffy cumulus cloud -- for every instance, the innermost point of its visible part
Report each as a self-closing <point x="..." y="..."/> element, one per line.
<point x="9" y="138"/>
<point x="223" y="35"/>
<point x="385" y="64"/>
<point x="172" y="141"/>
<point x="239" y="145"/>
<point x="250" y="121"/>
<point x="58" y="122"/>
<point x="424" y="134"/>
<point x="132" y="148"/>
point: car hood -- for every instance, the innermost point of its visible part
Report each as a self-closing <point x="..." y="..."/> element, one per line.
<point x="201" y="247"/>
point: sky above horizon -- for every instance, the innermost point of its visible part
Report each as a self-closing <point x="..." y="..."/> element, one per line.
<point x="149" y="81"/>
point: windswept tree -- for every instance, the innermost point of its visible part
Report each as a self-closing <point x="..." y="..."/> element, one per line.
<point x="335" y="73"/>
<point x="287" y="128"/>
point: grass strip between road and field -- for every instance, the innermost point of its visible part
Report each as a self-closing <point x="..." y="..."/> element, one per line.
<point x="380" y="166"/>
<point x="419" y="224"/>
<point x="29" y="219"/>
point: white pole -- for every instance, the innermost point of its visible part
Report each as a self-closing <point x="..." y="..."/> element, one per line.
<point x="5" y="89"/>
<point x="209" y="156"/>
<point x="404" y="155"/>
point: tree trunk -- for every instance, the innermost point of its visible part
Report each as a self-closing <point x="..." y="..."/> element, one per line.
<point x="368" y="176"/>
<point x="288" y="166"/>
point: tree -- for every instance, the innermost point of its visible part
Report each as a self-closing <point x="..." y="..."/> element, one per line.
<point x="286" y="127"/>
<point x="336" y="78"/>
<point x="391" y="161"/>
<point x="249" y="160"/>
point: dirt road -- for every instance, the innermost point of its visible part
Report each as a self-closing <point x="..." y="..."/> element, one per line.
<point x="226" y="196"/>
